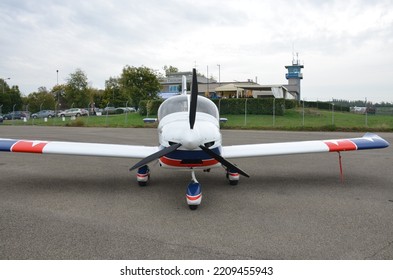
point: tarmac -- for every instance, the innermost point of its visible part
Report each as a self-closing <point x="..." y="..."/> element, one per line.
<point x="292" y="207"/>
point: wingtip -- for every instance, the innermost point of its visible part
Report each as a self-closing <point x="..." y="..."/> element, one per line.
<point x="380" y="142"/>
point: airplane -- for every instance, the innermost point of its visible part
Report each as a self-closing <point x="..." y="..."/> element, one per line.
<point x="189" y="139"/>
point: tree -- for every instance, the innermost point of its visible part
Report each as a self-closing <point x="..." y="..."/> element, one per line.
<point x="58" y="92"/>
<point x="9" y="97"/>
<point x="113" y="94"/>
<point x="139" y="84"/>
<point x="170" y="69"/>
<point x="41" y="100"/>
<point x="97" y="98"/>
<point x="76" y="91"/>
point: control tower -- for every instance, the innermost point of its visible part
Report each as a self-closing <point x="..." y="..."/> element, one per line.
<point x="294" y="76"/>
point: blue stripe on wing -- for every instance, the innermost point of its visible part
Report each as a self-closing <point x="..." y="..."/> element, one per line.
<point x="5" y="145"/>
<point x="370" y="141"/>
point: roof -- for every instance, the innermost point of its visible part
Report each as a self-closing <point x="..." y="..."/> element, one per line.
<point x="235" y="87"/>
<point x="228" y="87"/>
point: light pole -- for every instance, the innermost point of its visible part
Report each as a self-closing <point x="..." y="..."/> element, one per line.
<point x="303" y="114"/>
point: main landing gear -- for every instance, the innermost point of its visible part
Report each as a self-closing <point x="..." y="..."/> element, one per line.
<point x="233" y="177"/>
<point x="143" y="175"/>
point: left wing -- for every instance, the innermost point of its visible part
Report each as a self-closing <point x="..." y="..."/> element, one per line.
<point x="76" y="148"/>
<point x="368" y="141"/>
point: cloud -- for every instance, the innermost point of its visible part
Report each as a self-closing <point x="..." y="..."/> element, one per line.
<point x="344" y="45"/>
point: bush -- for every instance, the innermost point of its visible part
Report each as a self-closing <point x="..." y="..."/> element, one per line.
<point x="76" y="123"/>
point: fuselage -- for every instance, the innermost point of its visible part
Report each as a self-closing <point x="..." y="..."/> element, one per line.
<point x="174" y="127"/>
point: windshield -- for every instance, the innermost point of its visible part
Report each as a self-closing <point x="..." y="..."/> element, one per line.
<point x="179" y="103"/>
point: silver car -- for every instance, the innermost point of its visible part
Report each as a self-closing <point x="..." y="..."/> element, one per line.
<point x="43" y="114"/>
<point x="70" y="113"/>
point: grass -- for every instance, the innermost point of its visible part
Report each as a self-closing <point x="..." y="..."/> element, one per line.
<point x="318" y="120"/>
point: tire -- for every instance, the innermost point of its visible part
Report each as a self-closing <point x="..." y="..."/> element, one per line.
<point x="193" y="207"/>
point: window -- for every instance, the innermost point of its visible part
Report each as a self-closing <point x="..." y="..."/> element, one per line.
<point x="180" y="104"/>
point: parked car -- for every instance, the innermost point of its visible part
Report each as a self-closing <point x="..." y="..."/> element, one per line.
<point x="126" y="109"/>
<point x="109" y="110"/>
<point x="16" y="115"/>
<point x="43" y="114"/>
<point x="1" y="118"/>
<point x="85" y="112"/>
<point x="71" y="112"/>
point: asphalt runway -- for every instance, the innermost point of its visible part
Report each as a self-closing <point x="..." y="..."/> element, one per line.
<point x="292" y="207"/>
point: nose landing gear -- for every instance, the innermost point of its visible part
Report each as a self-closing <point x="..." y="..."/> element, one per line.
<point x="194" y="193"/>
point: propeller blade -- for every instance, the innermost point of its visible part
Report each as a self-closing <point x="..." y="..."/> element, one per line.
<point x="223" y="161"/>
<point x="194" y="99"/>
<point x="156" y="155"/>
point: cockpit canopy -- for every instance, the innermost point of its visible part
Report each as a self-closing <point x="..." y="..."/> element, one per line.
<point x="179" y="103"/>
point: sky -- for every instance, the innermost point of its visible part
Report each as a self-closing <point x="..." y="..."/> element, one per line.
<point x="346" y="46"/>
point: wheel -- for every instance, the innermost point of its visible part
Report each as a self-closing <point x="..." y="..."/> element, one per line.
<point x="78" y="115"/>
<point x="34" y="117"/>
<point x="62" y="115"/>
<point x="142" y="184"/>
<point x="49" y="116"/>
<point x="233" y="182"/>
<point x="193" y="207"/>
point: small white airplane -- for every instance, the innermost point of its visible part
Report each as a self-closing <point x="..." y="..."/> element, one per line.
<point x="190" y="139"/>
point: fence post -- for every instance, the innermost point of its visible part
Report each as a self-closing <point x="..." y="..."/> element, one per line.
<point x="274" y="111"/>
<point x="245" y="112"/>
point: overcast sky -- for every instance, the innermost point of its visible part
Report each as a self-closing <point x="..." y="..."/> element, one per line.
<point x="346" y="46"/>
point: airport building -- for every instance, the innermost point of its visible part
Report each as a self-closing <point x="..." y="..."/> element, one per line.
<point x="171" y="85"/>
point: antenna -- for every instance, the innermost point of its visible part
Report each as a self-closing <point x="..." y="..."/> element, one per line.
<point x="293" y="53"/>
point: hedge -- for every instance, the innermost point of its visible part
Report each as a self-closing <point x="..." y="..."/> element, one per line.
<point x="233" y="106"/>
<point x="253" y="106"/>
<point x="324" y="106"/>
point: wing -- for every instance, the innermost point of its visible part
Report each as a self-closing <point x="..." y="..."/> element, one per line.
<point x="75" y="148"/>
<point x="368" y="141"/>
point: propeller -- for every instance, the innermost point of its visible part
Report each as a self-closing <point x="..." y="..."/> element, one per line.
<point x="156" y="155"/>
<point x="194" y="99"/>
<point x="223" y="161"/>
<point x="192" y="117"/>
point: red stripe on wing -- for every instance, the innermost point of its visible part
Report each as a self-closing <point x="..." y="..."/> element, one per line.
<point x="341" y="145"/>
<point x="28" y="147"/>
